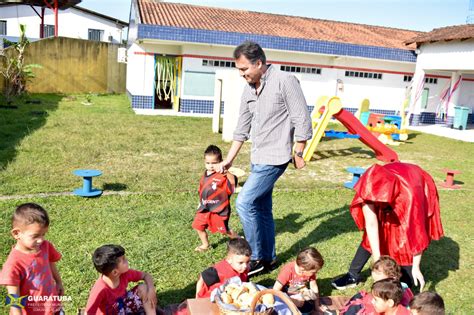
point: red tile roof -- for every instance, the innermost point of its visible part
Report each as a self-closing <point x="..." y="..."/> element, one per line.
<point x="455" y="32"/>
<point x="240" y="21"/>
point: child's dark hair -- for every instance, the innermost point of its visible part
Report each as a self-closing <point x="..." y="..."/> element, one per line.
<point x="105" y="258"/>
<point x="388" y="289"/>
<point x="214" y="150"/>
<point x="428" y="303"/>
<point x="388" y="266"/>
<point x="29" y="213"/>
<point x="310" y="259"/>
<point x="239" y="246"/>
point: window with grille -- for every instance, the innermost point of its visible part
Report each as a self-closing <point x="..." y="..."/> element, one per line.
<point x="407" y="78"/>
<point x="431" y="80"/>
<point x="48" y="30"/>
<point x="218" y="63"/>
<point x="364" y="75"/>
<point x="3" y="27"/>
<point x="95" y="34"/>
<point x="297" y="69"/>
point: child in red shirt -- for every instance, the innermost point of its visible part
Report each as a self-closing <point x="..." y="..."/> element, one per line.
<point x="298" y="279"/>
<point x="215" y="190"/>
<point x="387" y="295"/>
<point x="384" y="268"/>
<point x="427" y="303"/>
<point x="109" y="294"/>
<point x="234" y="265"/>
<point x="30" y="272"/>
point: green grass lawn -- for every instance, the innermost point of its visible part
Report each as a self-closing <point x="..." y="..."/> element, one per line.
<point x="153" y="165"/>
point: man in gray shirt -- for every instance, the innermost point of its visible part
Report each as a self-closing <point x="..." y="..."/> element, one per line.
<point x="273" y="113"/>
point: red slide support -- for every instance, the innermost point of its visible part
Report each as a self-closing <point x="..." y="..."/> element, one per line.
<point x="353" y="125"/>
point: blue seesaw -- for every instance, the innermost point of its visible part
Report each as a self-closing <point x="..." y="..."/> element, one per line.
<point x="87" y="190"/>
<point x="339" y="134"/>
<point x="356" y="172"/>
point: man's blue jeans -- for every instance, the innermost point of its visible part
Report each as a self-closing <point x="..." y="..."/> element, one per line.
<point x="254" y="206"/>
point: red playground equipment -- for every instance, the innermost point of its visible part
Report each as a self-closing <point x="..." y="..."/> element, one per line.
<point x="333" y="107"/>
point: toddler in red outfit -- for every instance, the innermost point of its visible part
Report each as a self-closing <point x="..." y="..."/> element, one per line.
<point x="234" y="265"/>
<point x="109" y="295"/>
<point x="387" y="295"/>
<point x="298" y="279"/>
<point x="215" y="190"/>
<point x="30" y="272"/>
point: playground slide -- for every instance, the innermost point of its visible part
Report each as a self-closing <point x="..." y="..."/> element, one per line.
<point x="353" y="125"/>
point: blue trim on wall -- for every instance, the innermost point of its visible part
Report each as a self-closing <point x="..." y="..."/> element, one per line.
<point x="179" y="34"/>
<point x="142" y="102"/>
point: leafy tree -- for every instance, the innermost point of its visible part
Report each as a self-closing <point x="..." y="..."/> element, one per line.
<point x="14" y="69"/>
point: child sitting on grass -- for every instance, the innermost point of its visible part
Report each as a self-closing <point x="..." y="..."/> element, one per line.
<point x="298" y="279"/>
<point x="30" y="269"/>
<point x="384" y="268"/>
<point x="387" y="295"/>
<point x="427" y="303"/>
<point x="109" y="294"/>
<point x="215" y="190"/>
<point x="235" y="264"/>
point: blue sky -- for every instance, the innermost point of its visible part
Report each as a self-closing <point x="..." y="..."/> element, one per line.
<point x="420" y="15"/>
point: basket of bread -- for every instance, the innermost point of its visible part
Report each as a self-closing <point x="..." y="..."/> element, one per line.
<point x="246" y="298"/>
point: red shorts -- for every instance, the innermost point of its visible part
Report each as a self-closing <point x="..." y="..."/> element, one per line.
<point x="211" y="221"/>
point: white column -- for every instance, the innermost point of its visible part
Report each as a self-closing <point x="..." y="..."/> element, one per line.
<point x="454" y="100"/>
<point x="416" y="90"/>
<point x="216" y="113"/>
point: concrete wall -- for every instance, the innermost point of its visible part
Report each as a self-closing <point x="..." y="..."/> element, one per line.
<point x="452" y="55"/>
<point x="75" y="66"/>
<point x="72" y="23"/>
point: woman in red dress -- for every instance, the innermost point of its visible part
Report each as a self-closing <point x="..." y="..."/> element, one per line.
<point x="397" y="206"/>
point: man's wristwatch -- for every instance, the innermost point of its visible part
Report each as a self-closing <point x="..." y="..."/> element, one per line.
<point x="299" y="154"/>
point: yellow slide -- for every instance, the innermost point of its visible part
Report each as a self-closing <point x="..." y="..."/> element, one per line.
<point x="332" y="106"/>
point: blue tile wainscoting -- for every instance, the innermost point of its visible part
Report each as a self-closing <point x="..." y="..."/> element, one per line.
<point x="196" y="106"/>
<point x="179" y="34"/>
<point x="206" y="107"/>
<point x="142" y="102"/>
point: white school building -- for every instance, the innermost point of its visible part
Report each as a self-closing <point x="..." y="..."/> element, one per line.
<point x="175" y="51"/>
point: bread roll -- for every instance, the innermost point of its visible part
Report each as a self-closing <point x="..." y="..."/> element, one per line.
<point x="252" y="289"/>
<point x="231" y="287"/>
<point x="226" y="298"/>
<point x="268" y="299"/>
<point x="235" y="294"/>
<point x="245" y="299"/>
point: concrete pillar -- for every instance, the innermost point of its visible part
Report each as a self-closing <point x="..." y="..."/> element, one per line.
<point x="454" y="98"/>
<point x="414" y="110"/>
<point x="216" y="113"/>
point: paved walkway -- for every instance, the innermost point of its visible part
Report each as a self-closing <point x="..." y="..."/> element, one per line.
<point x="443" y="131"/>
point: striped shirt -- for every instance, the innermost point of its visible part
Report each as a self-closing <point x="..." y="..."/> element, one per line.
<point x="273" y="118"/>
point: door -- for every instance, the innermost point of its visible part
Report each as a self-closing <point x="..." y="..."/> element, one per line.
<point x="166" y="70"/>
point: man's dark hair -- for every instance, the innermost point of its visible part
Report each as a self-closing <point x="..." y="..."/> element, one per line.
<point x="252" y="51"/>
<point x="428" y="303"/>
<point x="239" y="246"/>
<point x="388" y="289"/>
<point x="29" y="213"/>
<point x="105" y="258"/>
<point x="214" y="150"/>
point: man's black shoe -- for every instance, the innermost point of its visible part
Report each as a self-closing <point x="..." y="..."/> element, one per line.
<point x="270" y="265"/>
<point x="255" y="267"/>
<point x="345" y="282"/>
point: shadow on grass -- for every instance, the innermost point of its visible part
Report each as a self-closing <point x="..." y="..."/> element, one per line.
<point x="329" y="225"/>
<point x="114" y="186"/>
<point x="168" y="299"/>
<point x="321" y="155"/>
<point x="438" y="260"/>
<point x="16" y="124"/>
